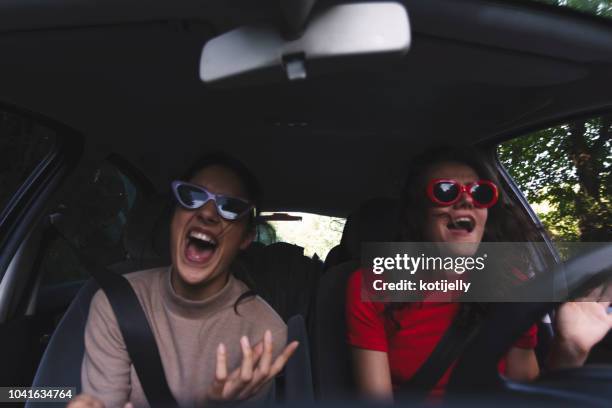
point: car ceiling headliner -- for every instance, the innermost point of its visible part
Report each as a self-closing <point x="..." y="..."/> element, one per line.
<point x="129" y="84"/>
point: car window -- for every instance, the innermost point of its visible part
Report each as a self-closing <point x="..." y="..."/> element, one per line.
<point x="564" y="172"/>
<point x="317" y="234"/>
<point x="23" y="145"/>
<point x="92" y="220"/>
<point x="594" y="7"/>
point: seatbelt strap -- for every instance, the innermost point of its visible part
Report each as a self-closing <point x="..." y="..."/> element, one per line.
<point x="450" y="347"/>
<point x="138" y="336"/>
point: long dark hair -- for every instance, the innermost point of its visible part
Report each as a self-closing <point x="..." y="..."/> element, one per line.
<point x="505" y="222"/>
<point x="254" y="193"/>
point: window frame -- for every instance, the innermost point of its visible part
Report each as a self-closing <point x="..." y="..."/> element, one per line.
<point x="23" y="209"/>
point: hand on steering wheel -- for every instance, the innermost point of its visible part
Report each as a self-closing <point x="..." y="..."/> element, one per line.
<point x="580" y="325"/>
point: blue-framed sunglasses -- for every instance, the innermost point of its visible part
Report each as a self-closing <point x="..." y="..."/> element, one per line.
<point x="192" y="197"/>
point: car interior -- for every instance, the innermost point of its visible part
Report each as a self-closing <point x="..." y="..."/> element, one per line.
<point x="119" y="96"/>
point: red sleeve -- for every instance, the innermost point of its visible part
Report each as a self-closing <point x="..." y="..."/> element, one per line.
<point x="364" y="320"/>
<point x="529" y="339"/>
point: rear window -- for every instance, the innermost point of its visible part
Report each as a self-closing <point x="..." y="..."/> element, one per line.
<point x="317" y="234"/>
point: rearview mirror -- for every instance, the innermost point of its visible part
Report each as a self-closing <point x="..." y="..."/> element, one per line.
<point x="336" y="38"/>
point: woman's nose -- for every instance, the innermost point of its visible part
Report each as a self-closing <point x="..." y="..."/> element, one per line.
<point x="208" y="213"/>
<point x="465" y="200"/>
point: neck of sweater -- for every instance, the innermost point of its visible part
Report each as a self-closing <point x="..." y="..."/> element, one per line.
<point x="198" y="309"/>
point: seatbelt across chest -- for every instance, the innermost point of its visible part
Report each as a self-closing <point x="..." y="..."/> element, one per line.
<point x="138" y="336"/>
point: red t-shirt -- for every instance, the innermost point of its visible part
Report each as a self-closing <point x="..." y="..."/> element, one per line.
<point x="422" y="326"/>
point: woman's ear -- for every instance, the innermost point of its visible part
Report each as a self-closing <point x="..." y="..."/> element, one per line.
<point x="249" y="236"/>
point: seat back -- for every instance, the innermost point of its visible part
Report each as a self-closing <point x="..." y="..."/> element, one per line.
<point x="298" y="385"/>
<point x="283" y="276"/>
<point x="332" y="364"/>
<point x="146" y="236"/>
<point x="60" y="365"/>
<point x="374" y="221"/>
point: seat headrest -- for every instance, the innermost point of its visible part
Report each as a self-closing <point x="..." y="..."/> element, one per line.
<point x="146" y="235"/>
<point x="375" y="220"/>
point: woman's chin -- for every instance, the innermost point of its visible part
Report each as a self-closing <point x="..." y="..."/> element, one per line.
<point x="192" y="275"/>
<point x="460" y="244"/>
<point x="462" y="248"/>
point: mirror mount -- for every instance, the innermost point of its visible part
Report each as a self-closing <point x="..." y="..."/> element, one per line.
<point x="295" y="67"/>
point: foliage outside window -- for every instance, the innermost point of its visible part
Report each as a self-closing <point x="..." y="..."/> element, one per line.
<point x="565" y="173"/>
<point x="597" y="7"/>
<point x="317" y="234"/>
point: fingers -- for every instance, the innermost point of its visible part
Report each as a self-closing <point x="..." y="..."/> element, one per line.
<point x="591" y="295"/>
<point x="246" y="369"/>
<point x="85" y="401"/>
<point x="260" y="375"/>
<point x="128" y="405"/>
<point x="606" y="296"/>
<point x="266" y="358"/>
<point x="277" y="367"/>
<point x="282" y="359"/>
<point x="216" y="390"/>
<point x="221" y="370"/>
<point x="255" y="370"/>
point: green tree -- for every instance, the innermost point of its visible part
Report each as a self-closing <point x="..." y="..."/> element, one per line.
<point x="597" y="7"/>
<point x="567" y="171"/>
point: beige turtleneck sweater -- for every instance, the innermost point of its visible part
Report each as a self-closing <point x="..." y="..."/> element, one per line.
<point x="187" y="334"/>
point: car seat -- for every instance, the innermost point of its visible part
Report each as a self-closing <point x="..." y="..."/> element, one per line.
<point x="375" y="216"/>
<point x="283" y="276"/>
<point x="374" y="221"/>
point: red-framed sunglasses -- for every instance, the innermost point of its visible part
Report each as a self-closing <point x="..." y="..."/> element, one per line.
<point x="447" y="192"/>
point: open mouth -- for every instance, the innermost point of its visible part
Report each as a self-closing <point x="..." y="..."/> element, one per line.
<point x="200" y="247"/>
<point x="462" y="224"/>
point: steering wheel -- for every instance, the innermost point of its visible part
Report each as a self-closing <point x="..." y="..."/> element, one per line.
<point x="476" y="369"/>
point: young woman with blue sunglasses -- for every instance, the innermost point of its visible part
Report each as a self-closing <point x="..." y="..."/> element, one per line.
<point x="217" y="341"/>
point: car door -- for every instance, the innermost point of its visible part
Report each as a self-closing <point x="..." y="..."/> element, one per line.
<point x="34" y="155"/>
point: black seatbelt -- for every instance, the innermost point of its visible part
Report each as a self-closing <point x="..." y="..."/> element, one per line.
<point x="139" y="340"/>
<point x="450" y="347"/>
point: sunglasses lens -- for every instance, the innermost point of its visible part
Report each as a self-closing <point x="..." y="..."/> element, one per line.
<point x="445" y="191"/>
<point x="483" y="193"/>
<point x="191" y="197"/>
<point x="231" y="208"/>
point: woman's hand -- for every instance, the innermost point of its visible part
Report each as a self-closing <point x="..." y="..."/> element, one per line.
<point x="87" y="401"/>
<point x="256" y="370"/>
<point x="580" y="325"/>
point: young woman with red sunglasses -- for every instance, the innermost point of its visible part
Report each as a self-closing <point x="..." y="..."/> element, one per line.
<point x="452" y="196"/>
<point x="217" y="342"/>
